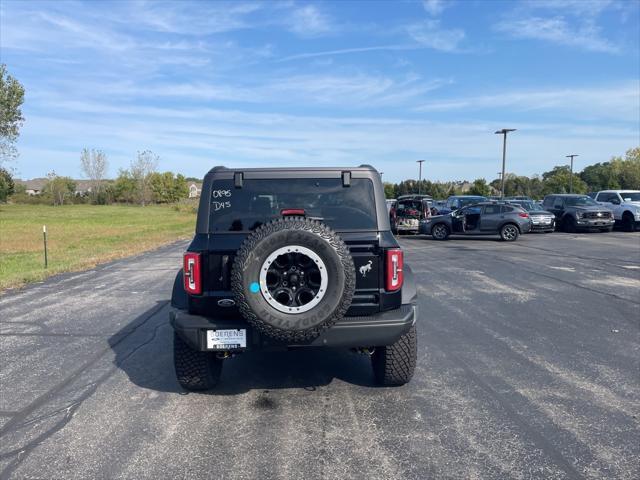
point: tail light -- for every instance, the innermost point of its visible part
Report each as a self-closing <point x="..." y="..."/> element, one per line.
<point x="395" y="263"/>
<point x="523" y="215"/>
<point x="191" y="273"/>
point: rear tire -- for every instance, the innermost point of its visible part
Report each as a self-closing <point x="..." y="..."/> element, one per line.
<point x="440" y="231"/>
<point x="509" y="232"/>
<point x="395" y="364"/>
<point x="628" y="222"/>
<point x="195" y="370"/>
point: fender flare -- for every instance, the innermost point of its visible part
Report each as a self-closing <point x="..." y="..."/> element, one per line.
<point x="409" y="288"/>
<point x="179" y="298"/>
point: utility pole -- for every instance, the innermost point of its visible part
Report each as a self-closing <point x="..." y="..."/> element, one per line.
<point x="420" y="162"/>
<point x="571" y="172"/>
<point x="504" y="132"/>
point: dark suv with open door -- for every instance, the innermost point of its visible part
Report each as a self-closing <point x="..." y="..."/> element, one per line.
<point x="486" y="218"/>
<point x="299" y="257"/>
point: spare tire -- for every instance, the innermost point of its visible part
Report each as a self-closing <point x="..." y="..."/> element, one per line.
<point x="293" y="278"/>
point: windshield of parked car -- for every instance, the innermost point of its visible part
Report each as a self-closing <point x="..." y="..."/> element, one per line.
<point x="529" y="206"/>
<point x="583" y="201"/>
<point x="630" y="196"/>
<point x="262" y="200"/>
<point x="470" y="201"/>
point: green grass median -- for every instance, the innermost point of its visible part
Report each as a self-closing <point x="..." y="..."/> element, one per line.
<point x="81" y="236"/>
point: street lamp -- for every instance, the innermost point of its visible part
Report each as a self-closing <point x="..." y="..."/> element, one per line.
<point x="504" y="132"/>
<point x="571" y="172"/>
<point x="420" y="162"/>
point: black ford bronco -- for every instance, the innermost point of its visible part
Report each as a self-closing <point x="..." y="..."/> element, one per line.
<point x="293" y="257"/>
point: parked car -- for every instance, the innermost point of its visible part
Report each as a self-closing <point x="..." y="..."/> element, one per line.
<point x="438" y="205"/>
<point x="485" y="218"/>
<point x="292" y="257"/>
<point x="407" y="212"/>
<point x="625" y="205"/>
<point x="541" y="219"/>
<point x="458" y="201"/>
<point x="390" y="203"/>
<point x="578" y="212"/>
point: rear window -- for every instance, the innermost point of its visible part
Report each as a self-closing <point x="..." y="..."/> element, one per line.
<point x="259" y="201"/>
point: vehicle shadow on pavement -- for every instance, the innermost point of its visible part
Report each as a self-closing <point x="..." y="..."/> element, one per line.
<point x="144" y="352"/>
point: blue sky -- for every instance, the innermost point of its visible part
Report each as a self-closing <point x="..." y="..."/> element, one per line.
<point x="325" y="83"/>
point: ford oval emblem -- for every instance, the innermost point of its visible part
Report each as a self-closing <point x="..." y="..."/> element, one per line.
<point x="226" y="302"/>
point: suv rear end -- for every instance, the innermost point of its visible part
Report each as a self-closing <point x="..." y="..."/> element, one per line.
<point x="241" y="211"/>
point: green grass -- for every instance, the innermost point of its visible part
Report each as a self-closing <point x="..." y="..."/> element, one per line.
<point x="81" y="236"/>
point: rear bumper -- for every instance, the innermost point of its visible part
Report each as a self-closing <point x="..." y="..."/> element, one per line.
<point x="380" y="329"/>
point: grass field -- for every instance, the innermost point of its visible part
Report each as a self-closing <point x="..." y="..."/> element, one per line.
<point x="81" y="236"/>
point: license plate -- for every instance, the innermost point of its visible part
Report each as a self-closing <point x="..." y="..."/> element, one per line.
<point x="226" y="339"/>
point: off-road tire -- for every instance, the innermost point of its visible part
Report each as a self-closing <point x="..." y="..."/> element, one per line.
<point x="394" y="364"/>
<point x="628" y="222"/>
<point x="446" y="230"/>
<point x="298" y="327"/>
<point x="509" y="232"/>
<point x="195" y="370"/>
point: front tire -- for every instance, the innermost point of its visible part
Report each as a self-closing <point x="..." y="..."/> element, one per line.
<point x="509" y="232"/>
<point x="440" y="231"/>
<point x="395" y="364"/>
<point x="570" y="225"/>
<point x="628" y="222"/>
<point x="195" y="370"/>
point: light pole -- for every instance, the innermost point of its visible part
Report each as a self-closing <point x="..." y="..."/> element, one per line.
<point x="571" y="172"/>
<point x="504" y="132"/>
<point x="420" y="162"/>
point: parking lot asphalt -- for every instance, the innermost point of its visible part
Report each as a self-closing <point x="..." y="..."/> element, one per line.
<point x="529" y="367"/>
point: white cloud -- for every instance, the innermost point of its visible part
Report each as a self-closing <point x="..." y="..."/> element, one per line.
<point x="429" y="34"/>
<point x="558" y="30"/>
<point x="620" y="102"/>
<point x="434" y="7"/>
<point x="309" y="21"/>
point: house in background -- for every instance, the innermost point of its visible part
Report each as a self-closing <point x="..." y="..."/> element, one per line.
<point x="35" y="186"/>
<point x="194" y="189"/>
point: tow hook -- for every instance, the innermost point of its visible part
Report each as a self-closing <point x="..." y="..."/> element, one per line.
<point x="224" y="355"/>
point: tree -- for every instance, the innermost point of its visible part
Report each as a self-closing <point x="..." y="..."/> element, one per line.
<point x="480" y="187"/>
<point x="167" y="188"/>
<point x="59" y="188"/>
<point x="11" y="119"/>
<point x="125" y="188"/>
<point x="7" y="187"/>
<point x="94" y="166"/>
<point x="557" y="181"/>
<point x="141" y="169"/>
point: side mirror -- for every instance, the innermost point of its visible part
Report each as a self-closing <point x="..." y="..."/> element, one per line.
<point x="615" y="201"/>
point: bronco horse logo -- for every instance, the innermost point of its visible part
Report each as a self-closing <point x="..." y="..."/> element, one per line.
<point x="365" y="268"/>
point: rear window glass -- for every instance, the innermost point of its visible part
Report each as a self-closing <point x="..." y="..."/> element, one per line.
<point x="259" y="201"/>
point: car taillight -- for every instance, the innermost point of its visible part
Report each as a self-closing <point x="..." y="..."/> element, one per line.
<point x="191" y="273"/>
<point x="395" y="263"/>
<point x="523" y="214"/>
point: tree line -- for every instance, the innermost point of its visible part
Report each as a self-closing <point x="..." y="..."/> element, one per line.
<point x="617" y="173"/>
<point x="140" y="184"/>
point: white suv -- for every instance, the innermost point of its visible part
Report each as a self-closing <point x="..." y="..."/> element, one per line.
<point x="625" y="205"/>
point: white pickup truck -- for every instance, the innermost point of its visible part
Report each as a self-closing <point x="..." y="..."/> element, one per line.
<point x="625" y="205"/>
